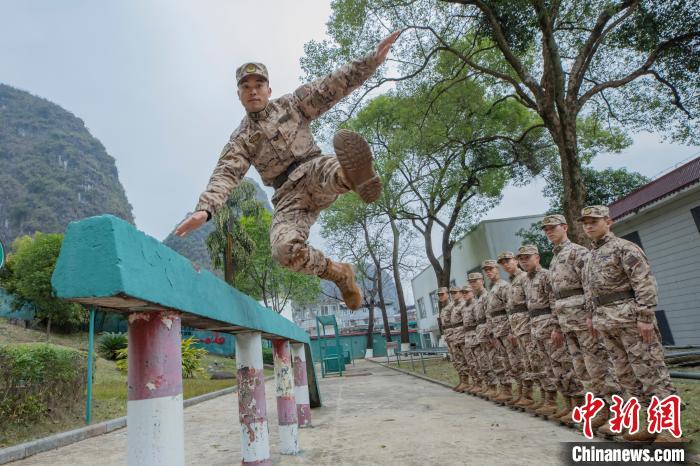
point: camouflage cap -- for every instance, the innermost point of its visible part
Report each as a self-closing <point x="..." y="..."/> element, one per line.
<point x="442" y="290"/>
<point x="247" y="69"/>
<point x="595" y="211"/>
<point x="489" y="263"/>
<point x="554" y="220"/>
<point x="454" y="289"/>
<point x="527" y="250"/>
<point x="505" y="255"/>
<point x="475" y="276"/>
<point x="466" y="289"/>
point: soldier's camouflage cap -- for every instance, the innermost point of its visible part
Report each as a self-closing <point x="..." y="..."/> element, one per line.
<point x="466" y="289"/>
<point x="475" y="276"/>
<point x="489" y="263"/>
<point x="455" y="289"/>
<point x="442" y="290"/>
<point x="527" y="250"/>
<point x="251" y="68"/>
<point x="555" y="219"/>
<point x="505" y="255"/>
<point x="595" y="211"/>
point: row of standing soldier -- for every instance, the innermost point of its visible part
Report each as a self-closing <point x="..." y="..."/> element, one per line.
<point x="585" y="325"/>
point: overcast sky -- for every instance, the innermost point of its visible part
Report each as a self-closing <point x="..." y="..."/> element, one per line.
<point x="153" y="80"/>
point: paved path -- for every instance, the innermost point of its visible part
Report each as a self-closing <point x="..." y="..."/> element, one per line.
<point x="373" y="415"/>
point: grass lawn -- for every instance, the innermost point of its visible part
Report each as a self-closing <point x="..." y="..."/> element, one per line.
<point x="109" y="389"/>
<point x="689" y="391"/>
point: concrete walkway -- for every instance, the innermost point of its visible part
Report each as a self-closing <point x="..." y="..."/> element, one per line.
<point x="372" y="415"/>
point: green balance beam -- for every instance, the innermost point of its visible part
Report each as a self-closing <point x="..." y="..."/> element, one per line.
<point x="106" y="262"/>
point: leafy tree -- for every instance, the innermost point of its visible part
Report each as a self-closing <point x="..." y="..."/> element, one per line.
<point x="604" y="187"/>
<point x="28" y="277"/>
<point x="628" y="64"/>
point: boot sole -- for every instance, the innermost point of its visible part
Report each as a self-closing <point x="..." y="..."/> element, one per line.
<point x="355" y="156"/>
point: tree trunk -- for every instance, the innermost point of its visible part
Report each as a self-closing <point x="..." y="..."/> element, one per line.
<point x="397" y="279"/>
<point x="48" y="330"/>
<point x="370" y="325"/>
<point x="228" y="259"/>
<point x="574" y="196"/>
<point x="382" y="306"/>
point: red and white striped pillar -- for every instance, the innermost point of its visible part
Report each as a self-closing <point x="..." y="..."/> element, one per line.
<point x="301" y="385"/>
<point x="252" y="408"/>
<point x="154" y="411"/>
<point x="286" y="405"/>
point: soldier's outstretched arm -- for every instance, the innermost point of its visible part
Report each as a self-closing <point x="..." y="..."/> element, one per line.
<point x="229" y="171"/>
<point x="317" y="97"/>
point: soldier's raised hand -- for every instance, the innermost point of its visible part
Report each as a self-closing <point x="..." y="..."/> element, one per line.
<point x="191" y="223"/>
<point x="385" y="45"/>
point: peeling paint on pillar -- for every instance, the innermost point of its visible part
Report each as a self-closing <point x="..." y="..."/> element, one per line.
<point x="301" y="386"/>
<point x="154" y="408"/>
<point x="286" y="404"/>
<point x="252" y="409"/>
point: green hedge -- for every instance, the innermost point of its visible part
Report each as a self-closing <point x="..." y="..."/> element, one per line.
<point x="40" y="380"/>
<point x="267" y="356"/>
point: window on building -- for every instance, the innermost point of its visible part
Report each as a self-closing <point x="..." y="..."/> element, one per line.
<point x="634" y="237"/>
<point x="434" y="302"/>
<point x="695" y="211"/>
<point x="453" y="282"/>
<point x="421" y="308"/>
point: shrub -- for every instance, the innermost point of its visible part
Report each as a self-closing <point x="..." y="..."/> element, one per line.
<point x="109" y="343"/>
<point x="191" y="359"/>
<point x="267" y="356"/>
<point x="39" y="380"/>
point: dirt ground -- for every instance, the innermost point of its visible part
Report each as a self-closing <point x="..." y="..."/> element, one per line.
<point x="371" y="416"/>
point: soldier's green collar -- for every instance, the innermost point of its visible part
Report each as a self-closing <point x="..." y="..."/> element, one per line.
<point x="560" y="246"/>
<point x="608" y="236"/>
<point x="261" y="115"/>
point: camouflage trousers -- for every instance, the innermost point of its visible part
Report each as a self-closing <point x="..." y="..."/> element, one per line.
<point x="558" y="367"/>
<point x="530" y="358"/>
<point x="472" y="363"/>
<point x="496" y="361"/>
<point x="640" y="367"/>
<point x="515" y="359"/>
<point x="592" y="364"/>
<point x="312" y="187"/>
<point x="459" y="361"/>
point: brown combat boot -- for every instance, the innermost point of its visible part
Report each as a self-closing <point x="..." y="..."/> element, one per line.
<point x="550" y="405"/>
<point x="600" y="419"/>
<point x="525" y="397"/>
<point x="506" y="393"/>
<point x="479" y="389"/>
<point x="642" y="435"/>
<point x="344" y="278"/>
<point x="605" y="430"/>
<point x="517" y="394"/>
<point x="565" y="409"/>
<point x="462" y="385"/>
<point x="492" y="392"/>
<point x="355" y="158"/>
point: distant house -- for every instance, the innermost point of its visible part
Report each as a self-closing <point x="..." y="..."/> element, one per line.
<point x="663" y="217"/>
<point x="486" y="241"/>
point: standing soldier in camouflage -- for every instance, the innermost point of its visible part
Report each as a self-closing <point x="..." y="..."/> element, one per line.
<point x="483" y="335"/>
<point x="458" y="338"/>
<point x="540" y="302"/>
<point x="590" y="359"/>
<point x="519" y="321"/>
<point x="444" y="322"/>
<point x="469" y="327"/>
<point x="507" y="354"/>
<point x="473" y="348"/>
<point x="275" y="137"/>
<point x="622" y="292"/>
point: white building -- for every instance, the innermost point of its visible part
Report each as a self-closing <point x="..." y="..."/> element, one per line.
<point x="486" y="241"/>
<point x="663" y="218"/>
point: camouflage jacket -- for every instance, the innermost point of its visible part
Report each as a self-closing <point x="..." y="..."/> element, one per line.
<point x="468" y="321"/>
<point x="618" y="265"/>
<point x="497" y="301"/>
<point x="275" y="137"/>
<point x="519" y="321"/>
<point x="446" y="319"/>
<point x="566" y="271"/>
<point x="456" y="318"/>
<point x="538" y="291"/>
<point x="483" y="330"/>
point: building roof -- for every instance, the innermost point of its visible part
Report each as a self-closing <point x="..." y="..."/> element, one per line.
<point x="666" y="185"/>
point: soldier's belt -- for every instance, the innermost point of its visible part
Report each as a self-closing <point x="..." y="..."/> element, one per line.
<point x="282" y="177"/>
<point x="500" y="312"/>
<point x="452" y="326"/>
<point x="517" y="309"/>
<point x="540" y="312"/>
<point x="481" y="321"/>
<point x="612" y="297"/>
<point x="469" y="328"/>
<point x="568" y="293"/>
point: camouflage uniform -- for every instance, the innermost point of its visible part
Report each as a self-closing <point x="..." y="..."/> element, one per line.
<point x="621" y="291"/>
<point x="458" y="337"/>
<point x="445" y="318"/>
<point x="590" y="359"/>
<point x="519" y="321"/>
<point x="471" y="355"/>
<point x="509" y="365"/>
<point x="272" y="140"/>
<point x="540" y="300"/>
<point x="489" y="360"/>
